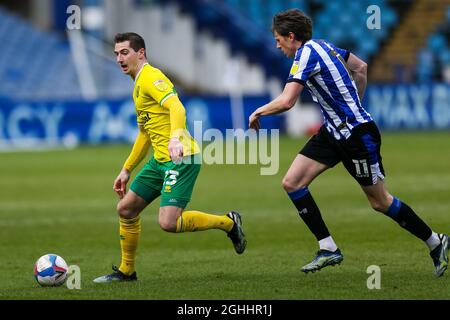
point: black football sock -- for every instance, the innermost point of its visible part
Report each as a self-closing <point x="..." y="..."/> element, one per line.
<point x="408" y="219"/>
<point x="309" y="212"/>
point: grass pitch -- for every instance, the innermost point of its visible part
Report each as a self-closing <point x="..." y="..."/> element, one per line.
<point x="62" y="202"/>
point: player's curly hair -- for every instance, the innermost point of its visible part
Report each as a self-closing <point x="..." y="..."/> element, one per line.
<point x="295" y="21"/>
<point x="136" y="41"/>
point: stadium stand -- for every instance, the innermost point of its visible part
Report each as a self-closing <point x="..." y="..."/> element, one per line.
<point x="347" y="28"/>
<point x="246" y="25"/>
<point x="398" y="61"/>
<point x="418" y="47"/>
<point x="244" y="34"/>
<point x="434" y="58"/>
<point x="416" y="52"/>
<point x="38" y="65"/>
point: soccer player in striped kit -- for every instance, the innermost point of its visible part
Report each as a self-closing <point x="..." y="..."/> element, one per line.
<point x="336" y="80"/>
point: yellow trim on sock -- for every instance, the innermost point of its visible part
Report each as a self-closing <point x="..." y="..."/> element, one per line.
<point x="191" y="221"/>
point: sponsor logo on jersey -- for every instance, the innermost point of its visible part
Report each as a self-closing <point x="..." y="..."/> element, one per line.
<point x="294" y="68"/>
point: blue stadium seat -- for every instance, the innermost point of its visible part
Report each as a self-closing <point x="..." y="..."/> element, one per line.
<point x="424" y="71"/>
<point x="444" y="56"/>
<point x="437" y="42"/>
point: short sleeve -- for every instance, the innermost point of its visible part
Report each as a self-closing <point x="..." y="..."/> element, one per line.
<point x="305" y="65"/>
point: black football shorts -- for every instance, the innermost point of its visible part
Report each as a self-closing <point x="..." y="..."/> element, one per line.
<point x="360" y="153"/>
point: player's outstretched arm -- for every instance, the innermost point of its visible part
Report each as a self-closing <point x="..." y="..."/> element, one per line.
<point x="285" y="101"/>
<point x="358" y="69"/>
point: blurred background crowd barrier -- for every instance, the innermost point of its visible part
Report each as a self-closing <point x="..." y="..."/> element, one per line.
<point x="60" y="85"/>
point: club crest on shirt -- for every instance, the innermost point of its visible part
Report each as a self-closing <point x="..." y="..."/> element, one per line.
<point x="161" y="85"/>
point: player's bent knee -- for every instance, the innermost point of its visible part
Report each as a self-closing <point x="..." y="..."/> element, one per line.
<point x="168" y="216"/>
<point x="168" y="225"/>
<point x="290" y="185"/>
<point x="381" y="203"/>
<point x="125" y="211"/>
<point x="379" y="206"/>
<point x="376" y="206"/>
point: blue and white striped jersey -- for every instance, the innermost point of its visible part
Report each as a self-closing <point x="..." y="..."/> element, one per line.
<point x="320" y="66"/>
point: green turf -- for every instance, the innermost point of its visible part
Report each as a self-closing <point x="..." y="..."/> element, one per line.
<point x="62" y="202"/>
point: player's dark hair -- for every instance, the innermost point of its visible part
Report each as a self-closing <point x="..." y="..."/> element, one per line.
<point x="136" y="41"/>
<point x="295" y="21"/>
